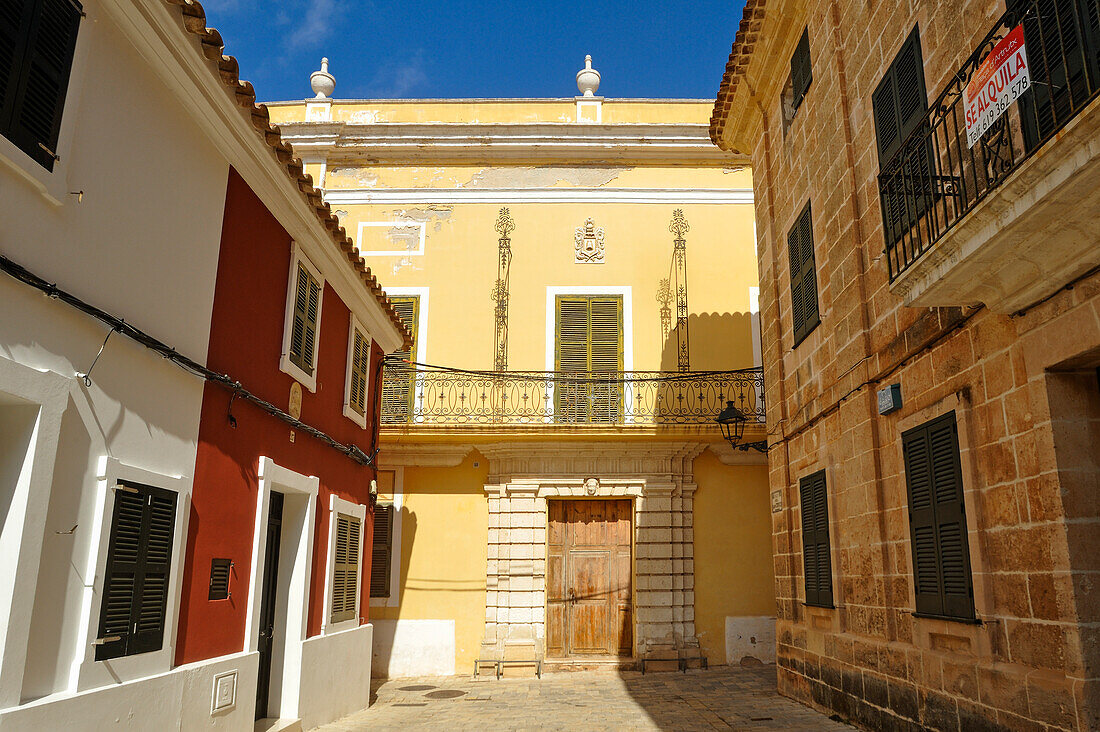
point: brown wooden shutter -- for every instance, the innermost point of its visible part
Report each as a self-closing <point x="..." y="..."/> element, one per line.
<point x="345" y="568"/>
<point x="816" y="557"/>
<point x="381" y="551"/>
<point x="139" y="556"/>
<point x="360" y="359"/>
<point x="801" y="71"/>
<point x="605" y="358"/>
<point x="937" y="520"/>
<point x="398" y="383"/>
<point x="805" y="313"/>
<point x="38" y="63"/>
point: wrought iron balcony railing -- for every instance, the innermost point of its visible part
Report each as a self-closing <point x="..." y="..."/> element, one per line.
<point x="426" y="396"/>
<point x="936" y="178"/>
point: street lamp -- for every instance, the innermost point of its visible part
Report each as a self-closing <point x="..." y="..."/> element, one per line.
<point x="732" y="421"/>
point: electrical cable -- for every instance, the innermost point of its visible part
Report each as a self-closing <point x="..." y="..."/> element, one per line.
<point x="225" y="381"/>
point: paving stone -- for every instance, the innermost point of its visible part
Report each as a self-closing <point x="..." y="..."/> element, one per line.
<point x="719" y="698"/>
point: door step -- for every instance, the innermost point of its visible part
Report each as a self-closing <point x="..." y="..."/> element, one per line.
<point x="275" y="724"/>
<point x="556" y="665"/>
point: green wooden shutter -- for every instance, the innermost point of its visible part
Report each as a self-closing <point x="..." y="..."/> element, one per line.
<point x="34" y="87"/>
<point x="937" y="520"/>
<point x="381" y="551"/>
<point x="801" y="71"/>
<point x="345" y="568"/>
<point x="398" y="384"/>
<point x="816" y="557"/>
<point x="139" y="556"/>
<point x="360" y="360"/>
<point x="800" y="249"/>
<point x="307" y="304"/>
<point x="589" y="342"/>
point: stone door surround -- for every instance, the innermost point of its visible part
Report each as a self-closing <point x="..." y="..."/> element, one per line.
<point x="656" y="475"/>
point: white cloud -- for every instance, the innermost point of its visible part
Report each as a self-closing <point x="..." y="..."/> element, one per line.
<point x="396" y="79"/>
<point x="316" y="25"/>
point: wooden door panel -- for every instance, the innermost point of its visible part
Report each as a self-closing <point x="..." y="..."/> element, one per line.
<point x="588" y="627"/>
<point x="590" y="575"/>
<point x="588" y="523"/>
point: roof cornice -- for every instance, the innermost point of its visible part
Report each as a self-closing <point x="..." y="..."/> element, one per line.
<point x="681" y="144"/>
<point x="172" y="38"/>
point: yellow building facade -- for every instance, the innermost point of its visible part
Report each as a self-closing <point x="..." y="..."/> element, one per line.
<point x="580" y="279"/>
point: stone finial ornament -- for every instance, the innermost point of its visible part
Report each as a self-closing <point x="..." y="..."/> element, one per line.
<point x="588" y="79"/>
<point x="322" y="82"/>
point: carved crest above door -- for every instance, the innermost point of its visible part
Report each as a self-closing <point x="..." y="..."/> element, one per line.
<point x="588" y="247"/>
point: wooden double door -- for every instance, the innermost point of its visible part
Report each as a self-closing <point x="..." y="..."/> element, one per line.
<point x="588" y="598"/>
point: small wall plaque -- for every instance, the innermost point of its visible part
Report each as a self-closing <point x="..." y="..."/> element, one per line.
<point x="889" y="399"/>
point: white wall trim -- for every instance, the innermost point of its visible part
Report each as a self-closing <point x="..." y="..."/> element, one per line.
<point x="355" y="510"/>
<point x="754" y="315"/>
<point x="300" y="552"/>
<point x="411" y="196"/>
<point x="86" y="672"/>
<point x="287" y="366"/>
<point x="24" y="526"/>
<point x="395" y="544"/>
<point x="349" y="412"/>
<point x="552" y="293"/>
<point x="419" y="251"/>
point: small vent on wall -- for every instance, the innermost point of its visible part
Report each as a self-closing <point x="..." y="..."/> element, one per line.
<point x="219" y="579"/>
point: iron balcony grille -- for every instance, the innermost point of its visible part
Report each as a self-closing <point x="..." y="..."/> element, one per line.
<point x="427" y="396"/>
<point x="935" y="179"/>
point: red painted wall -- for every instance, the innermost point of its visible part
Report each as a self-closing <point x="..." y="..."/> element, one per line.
<point x="245" y="342"/>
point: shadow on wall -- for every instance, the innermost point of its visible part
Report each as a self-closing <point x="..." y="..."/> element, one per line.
<point x="384" y="631"/>
<point x="717" y="342"/>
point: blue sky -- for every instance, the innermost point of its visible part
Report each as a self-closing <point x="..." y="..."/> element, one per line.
<point x="474" y="48"/>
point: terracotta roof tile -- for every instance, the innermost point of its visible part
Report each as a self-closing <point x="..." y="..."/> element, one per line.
<point x="228" y="70"/>
<point x="747" y="32"/>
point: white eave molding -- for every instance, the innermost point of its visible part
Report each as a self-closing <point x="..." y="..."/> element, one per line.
<point x="156" y="31"/>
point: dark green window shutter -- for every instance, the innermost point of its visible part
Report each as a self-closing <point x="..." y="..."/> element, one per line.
<point x="801" y="71"/>
<point x="381" y="551"/>
<point x="937" y="520"/>
<point x="135" y="584"/>
<point x="345" y="568"/>
<point x="800" y="249"/>
<point x="1062" y="38"/>
<point x="398" y="383"/>
<point x="590" y="344"/>
<point x="37" y="39"/>
<point x="307" y="306"/>
<point x="900" y="103"/>
<point x="816" y="557"/>
<point x="360" y="361"/>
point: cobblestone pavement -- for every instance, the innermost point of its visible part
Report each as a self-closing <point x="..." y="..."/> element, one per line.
<point x="719" y="698"/>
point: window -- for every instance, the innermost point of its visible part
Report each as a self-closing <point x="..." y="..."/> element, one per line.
<point x="937" y="520"/>
<point x="398" y="383"/>
<point x="798" y="83"/>
<point x="815" y="540"/>
<point x="37" y="39"/>
<point x="800" y="248"/>
<point x="589" y="343"/>
<point x="356" y="388"/>
<point x="345" y="539"/>
<point x="382" y="550"/>
<point x="301" y="332"/>
<point x="900" y="103"/>
<point x="139" y="556"/>
<point x="1063" y="49"/>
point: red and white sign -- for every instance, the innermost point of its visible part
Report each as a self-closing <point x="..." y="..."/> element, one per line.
<point x="1001" y="79"/>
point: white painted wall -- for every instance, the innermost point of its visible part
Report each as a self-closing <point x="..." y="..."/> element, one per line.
<point x="178" y="700"/>
<point x="141" y="242"/>
<point x="335" y="675"/>
<point x="750" y="636"/>
<point x="414" y="648"/>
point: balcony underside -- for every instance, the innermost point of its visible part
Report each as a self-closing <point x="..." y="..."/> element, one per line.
<point x="1035" y="233"/>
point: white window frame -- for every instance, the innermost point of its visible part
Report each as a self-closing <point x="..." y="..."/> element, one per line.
<point x="86" y="672"/>
<point x="349" y="412"/>
<point x="395" y="543"/>
<point x="355" y="510"/>
<point x="287" y="366"/>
